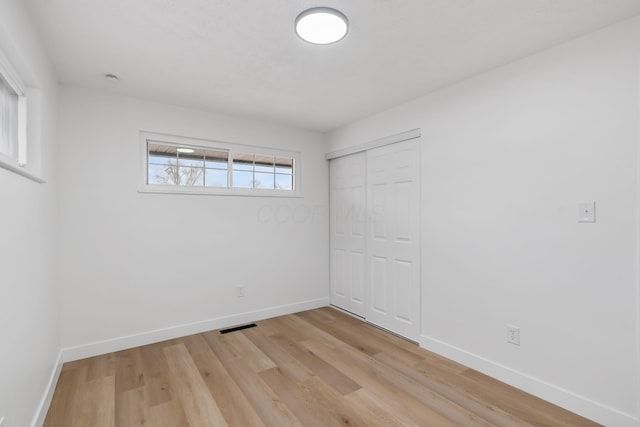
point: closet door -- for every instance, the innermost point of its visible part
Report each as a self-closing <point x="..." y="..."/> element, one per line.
<point x="393" y="238"/>
<point x="348" y="228"/>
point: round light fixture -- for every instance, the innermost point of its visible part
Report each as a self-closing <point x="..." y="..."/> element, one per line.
<point x="185" y="150"/>
<point x="322" y="25"/>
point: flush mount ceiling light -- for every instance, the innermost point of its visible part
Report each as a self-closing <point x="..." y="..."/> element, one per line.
<point x="185" y="150"/>
<point x="322" y="25"/>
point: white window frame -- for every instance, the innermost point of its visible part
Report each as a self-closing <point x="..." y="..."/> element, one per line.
<point x="179" y="141"/>
<point x="9" y="75"/>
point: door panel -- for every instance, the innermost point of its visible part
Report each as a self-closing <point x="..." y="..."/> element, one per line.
<point x="348" y="231"/>
<point x="393" y="242"/>
<point x="402" y="285"/>
<point x="357" y="277"/>
<point x="403" y="211"/>
<point x="340" y="272"/>
<point x="379" y="284"/>
<point x="378" y="203"/>
<point x="358" y="221"/>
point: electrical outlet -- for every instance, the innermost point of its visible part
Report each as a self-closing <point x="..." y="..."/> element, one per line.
<point x="587" y="212"/>
<point x="513" y="335"/>
<point x="240" y="292"/>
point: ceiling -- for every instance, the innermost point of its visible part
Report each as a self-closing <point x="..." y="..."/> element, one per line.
<point x="242" y="56"/>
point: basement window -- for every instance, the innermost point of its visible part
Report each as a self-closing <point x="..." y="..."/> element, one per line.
<point x="193" y="166"/>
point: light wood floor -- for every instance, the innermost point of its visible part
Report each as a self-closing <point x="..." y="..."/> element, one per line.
<point x="317" y="368"/>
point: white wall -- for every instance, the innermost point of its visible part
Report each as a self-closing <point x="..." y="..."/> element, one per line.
<point x="29" y="327"/>
<point x="506" y="157"/>
<point x="133" y="263"/>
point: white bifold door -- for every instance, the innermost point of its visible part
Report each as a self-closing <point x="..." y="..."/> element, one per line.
<point x="375" y="236"/>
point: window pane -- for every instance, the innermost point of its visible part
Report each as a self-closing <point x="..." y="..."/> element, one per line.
<point x="216" y="156"/>
<point x="190" y="176"/>
<point x="284" y="182"/>
<point x="215" y="178"/>
<point x="284" y="161"/>
<point x="162" y="175"/>
<point x="242" y="179"/>
<point x="217" y="159"/>
<point x="216" y="165"/>
<point x="243" y="161"/>
<point x="242" y="166"/>
<point x="198" y="153"/>
<point x="284" y="170"/>
<point x="191" y="162"/>
<point x="284" y="165"/>
<point x="264" y="163"/>
<point x="162" y="150"/>
<point x="161" y="160"/>
<point x="264" y="180"/>
<point x="264" y="168"/>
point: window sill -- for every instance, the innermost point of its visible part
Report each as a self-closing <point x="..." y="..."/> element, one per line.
<point x="21" y="171"/>
<point x="220" y="192"/>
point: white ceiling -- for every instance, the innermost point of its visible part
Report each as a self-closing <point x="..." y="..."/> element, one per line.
<point x="243" y="57"/>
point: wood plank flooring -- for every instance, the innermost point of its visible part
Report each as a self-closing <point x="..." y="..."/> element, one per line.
<point x="316" y="368"/>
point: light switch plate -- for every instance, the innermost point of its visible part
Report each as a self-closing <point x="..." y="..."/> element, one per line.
<point x="587" y="212"/>
<point x="513" y="335"/>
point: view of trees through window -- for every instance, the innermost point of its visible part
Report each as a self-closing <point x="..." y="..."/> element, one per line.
<point x="199" y="167"/>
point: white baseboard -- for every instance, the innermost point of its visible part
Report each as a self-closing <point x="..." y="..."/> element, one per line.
<point x="122" y="343"/>
<point x="564" y="398"/>
<point x="43" y="407"/>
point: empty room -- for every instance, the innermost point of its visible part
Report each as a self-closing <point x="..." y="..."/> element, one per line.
<point x="306" y="213"/>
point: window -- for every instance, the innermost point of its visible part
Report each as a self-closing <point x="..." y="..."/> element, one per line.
<point x="266" y="172"/>
<point x="194" y="167"/>
<point x="183" y="165"/>
<point x="13" y="118"/>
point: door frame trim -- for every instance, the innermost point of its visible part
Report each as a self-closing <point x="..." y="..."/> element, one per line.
<point x="381" y="142"/>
